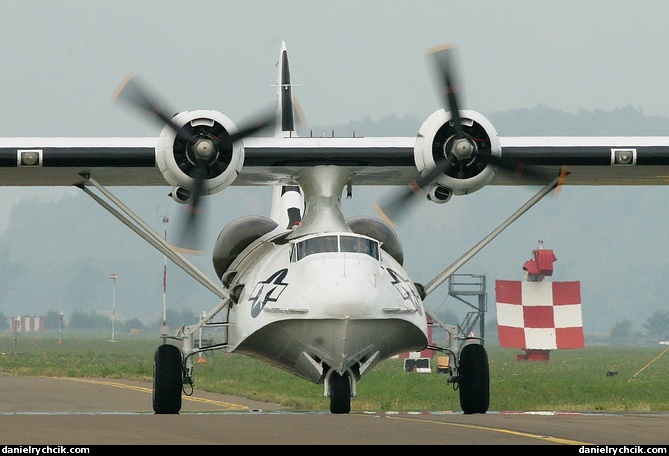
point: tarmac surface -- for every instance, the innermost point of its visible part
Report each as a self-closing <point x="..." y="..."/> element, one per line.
<point x="90" y="411"/>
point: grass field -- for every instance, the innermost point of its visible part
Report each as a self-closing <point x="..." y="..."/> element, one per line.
<point x="572" y="380"/>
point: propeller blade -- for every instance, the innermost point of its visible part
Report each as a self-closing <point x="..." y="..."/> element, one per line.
<point x="190" y="238"/>
<point x="443" y="56"/>
<point x="137" y="94"/>
<point x="460" y="150"/>
<point x="398" y="205"/>
<point x="563" y="175"/>
<point x="189" y="241"/>
<point x="264" y="121"/>
<point x="529" y="175"/>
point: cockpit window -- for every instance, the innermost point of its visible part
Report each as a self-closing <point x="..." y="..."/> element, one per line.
<point x="316" y="245"/>
<point x="360" y="245"/>
<point x="323" y="244"/>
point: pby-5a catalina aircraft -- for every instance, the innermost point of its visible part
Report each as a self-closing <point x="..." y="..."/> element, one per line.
<point x="306" y="288"/>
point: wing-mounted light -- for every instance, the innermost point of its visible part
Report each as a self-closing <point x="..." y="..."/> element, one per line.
<point x="459" y="161"/>
<point x="199" y="148"/>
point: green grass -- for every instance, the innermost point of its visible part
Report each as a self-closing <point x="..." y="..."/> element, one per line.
<point x="572" y="380"/>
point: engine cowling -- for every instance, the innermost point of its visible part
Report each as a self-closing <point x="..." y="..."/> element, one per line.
<point x="235" y="237"/>
<point x="435" y="143"/>
<point x="175" y="154"/>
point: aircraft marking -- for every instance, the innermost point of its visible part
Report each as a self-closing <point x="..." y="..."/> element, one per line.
<point x="406" y="290"/>
<point x="267" y="291"/>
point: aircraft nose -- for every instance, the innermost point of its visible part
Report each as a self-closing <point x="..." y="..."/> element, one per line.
<point x="347" y="285"/>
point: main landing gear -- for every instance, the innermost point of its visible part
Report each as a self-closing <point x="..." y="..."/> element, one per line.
<point x="474" y="379"/>
<point x="167" y="380"/>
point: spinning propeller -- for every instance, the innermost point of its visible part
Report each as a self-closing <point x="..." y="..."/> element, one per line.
<point x="203" y="146"/>
<point x="462" y="152"/>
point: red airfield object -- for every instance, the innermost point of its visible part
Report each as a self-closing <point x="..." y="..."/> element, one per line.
<point x="536" y="315"/>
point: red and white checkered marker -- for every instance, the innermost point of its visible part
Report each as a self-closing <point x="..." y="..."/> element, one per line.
<point x="539" y="315"/>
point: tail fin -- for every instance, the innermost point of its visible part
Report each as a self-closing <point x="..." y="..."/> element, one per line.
<point x="285" y="109"/>
<point x="287" y="200"/>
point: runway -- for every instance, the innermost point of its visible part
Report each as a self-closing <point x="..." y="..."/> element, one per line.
<point x="77" y="411"/>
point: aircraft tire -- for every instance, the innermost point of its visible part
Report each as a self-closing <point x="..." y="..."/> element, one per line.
<point x="167" y="380"/>
<point x="474" y="382"/>
<point x="340" y="393"/>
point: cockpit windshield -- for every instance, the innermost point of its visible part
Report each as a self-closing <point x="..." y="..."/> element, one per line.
<point x="336" y="243"/>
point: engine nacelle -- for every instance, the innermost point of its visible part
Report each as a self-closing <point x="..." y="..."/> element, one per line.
<point x="175" y="155"/>
<point x="435" y="143"/>
<point x="381" y="231"/>
<point x="235" y="237"/>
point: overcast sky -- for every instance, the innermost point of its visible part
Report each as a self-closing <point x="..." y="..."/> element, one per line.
<point x="62" y="60"/>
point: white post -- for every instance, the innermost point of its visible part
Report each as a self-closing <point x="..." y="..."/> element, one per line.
<point x="113" y="278"/>
<point x="164" y="330"/>
<point x="60" y="327"/>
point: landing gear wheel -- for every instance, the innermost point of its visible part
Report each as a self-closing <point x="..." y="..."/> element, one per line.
<point x="340" y="393"/>
<point x="474" y="379"/>
<point x="167" y="380"/>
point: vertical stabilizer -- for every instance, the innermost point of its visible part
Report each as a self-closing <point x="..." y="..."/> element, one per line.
<point x="287" y="200"/>
<point x="285" y="109"/>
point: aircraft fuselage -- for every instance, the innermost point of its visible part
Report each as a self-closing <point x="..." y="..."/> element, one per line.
<point x="337" y="307"/>
<point x="319" y="296"/>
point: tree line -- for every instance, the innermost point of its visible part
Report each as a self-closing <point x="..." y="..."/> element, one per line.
<point x="91" y="319"/>
<point x="656" y="328"/>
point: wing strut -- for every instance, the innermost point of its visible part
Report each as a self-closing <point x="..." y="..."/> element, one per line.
<point x="148" y="234"/>
<point x="449" y="271"/>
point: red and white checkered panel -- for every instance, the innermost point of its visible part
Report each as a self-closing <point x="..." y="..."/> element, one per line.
<point x="539" y="315"/>
<point x="27" y="324"/>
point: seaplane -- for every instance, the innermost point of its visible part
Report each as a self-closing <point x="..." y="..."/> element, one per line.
<point x="306" y="288"/>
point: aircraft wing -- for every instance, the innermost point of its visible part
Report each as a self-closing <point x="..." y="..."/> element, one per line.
<point x="59" y="161"/>
<point x="454" y="151"/>
<point x="372" y="161"/>
<point x="589" y="160"/>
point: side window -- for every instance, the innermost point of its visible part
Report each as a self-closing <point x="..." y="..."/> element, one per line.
<point x="374" y="249"/>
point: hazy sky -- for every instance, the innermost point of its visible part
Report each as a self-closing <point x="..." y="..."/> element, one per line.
<point x="62" y="60"/>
